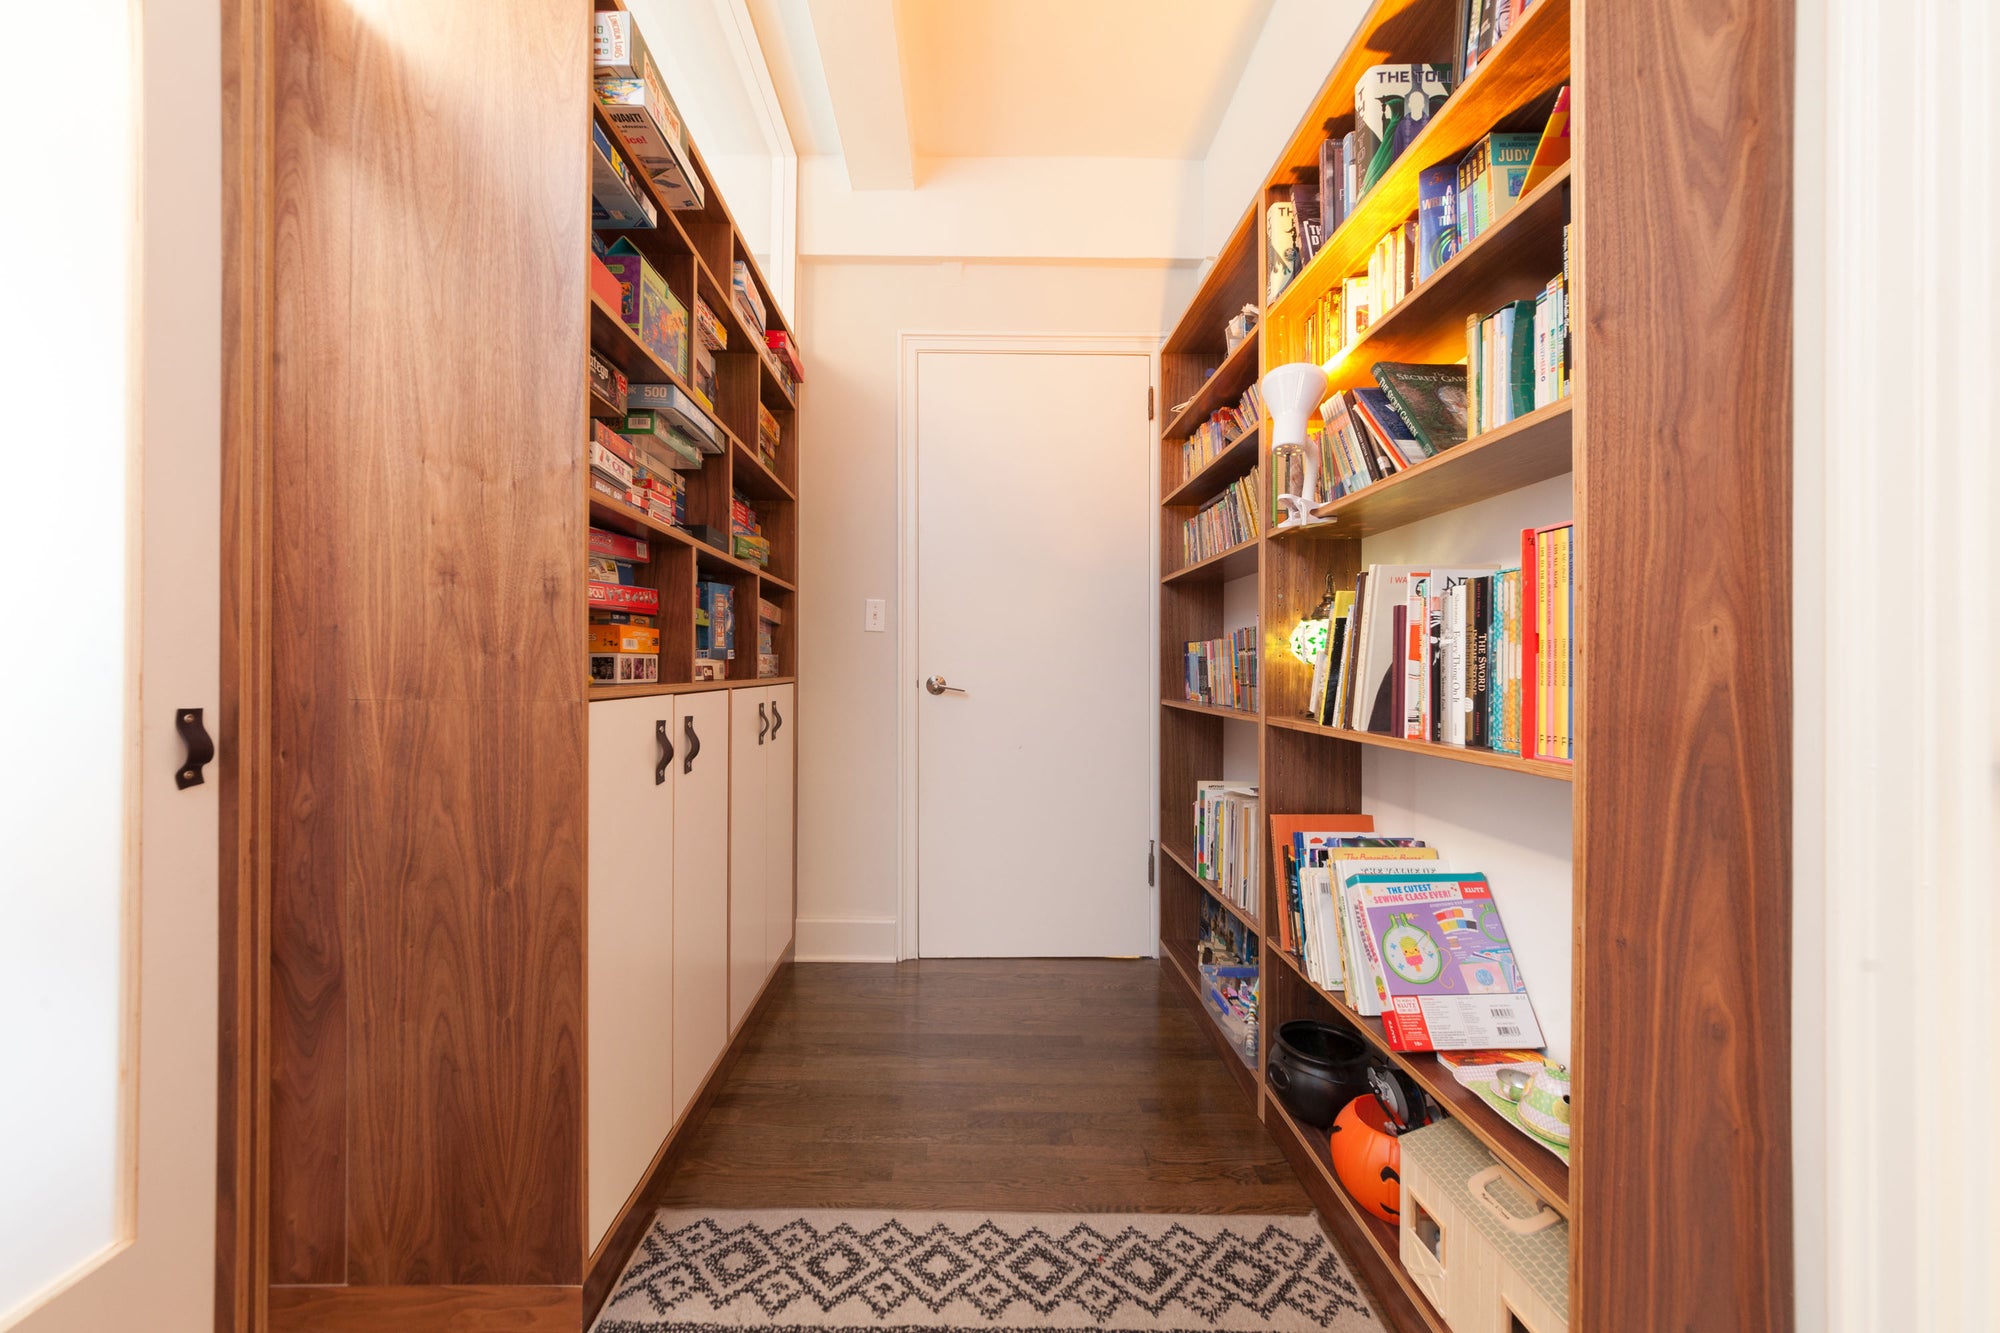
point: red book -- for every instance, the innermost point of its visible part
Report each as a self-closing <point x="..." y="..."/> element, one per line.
<point x="1530" y="646"/>
<point x="625" y="597"/>
<point x="618" y="546"/>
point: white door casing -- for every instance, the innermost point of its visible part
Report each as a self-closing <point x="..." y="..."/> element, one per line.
<point x="151" y="429"/>
<point x="1028" y="556"/>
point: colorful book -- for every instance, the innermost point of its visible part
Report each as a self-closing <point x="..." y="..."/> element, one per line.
<point x="1430" y="398"/>
<point x="1447" y="969"/>
<point x="1437" y="217"/>
<point x="1392" y="104"/>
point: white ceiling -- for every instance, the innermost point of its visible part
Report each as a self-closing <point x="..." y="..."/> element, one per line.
<point x="1007" y="78"/>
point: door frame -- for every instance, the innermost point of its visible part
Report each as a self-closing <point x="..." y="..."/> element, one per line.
<point x="910" y="346"/>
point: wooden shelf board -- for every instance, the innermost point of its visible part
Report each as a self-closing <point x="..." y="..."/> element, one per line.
<point x="1383" y="1238"/>
<point x="1233" y="563"/>
<point x="1540" y="768"/>
<point x="751" y="476"/>
<point x="1237" y="373"/>
<point x="1546" y="1173"/>
<point x="766" y="576"/>
<point x="1214" y="303"/>
<point x="1511" y="260"/>
<point x="1237" y="458"/>
<point x="683" y="687"/>
<point x="1179" y="960"/>
<point x="1185" y="860"/>
<point x="1532" y="60"/>
<point x="1211" y="710"/>
<point x="1526" y="450"/>
<point x="772" y="389"/>
<point x="618" y="514"/>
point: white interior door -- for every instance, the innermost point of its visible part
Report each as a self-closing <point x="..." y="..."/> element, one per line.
<point x="108" y="911"/>
<point x="749" y="963"/>
<point x="780" y="756"/>
<point x="701" y="890"/>
<point x="1033" y="565"/>
<point x="631" y="946"/>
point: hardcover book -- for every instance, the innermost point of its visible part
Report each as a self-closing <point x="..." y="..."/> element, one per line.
<point x="1392" y="104"/>
<point x="1437" y="217"/>
<point x="1430" y="398"/>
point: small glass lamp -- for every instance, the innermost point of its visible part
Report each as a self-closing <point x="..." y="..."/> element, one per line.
<point x="1292" y="393"/>
<point x="1309" y="636"/>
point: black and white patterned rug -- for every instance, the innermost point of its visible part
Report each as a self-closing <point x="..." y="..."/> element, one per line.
<point x="915" y="1272"/>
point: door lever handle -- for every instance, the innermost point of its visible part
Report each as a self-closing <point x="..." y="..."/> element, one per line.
<point x="936" y="685"/>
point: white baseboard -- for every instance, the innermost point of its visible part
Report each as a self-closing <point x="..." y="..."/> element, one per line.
<point x="846" y="939"/>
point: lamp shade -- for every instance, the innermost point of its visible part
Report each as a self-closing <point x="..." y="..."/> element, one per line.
<point x="1292" y="393"/>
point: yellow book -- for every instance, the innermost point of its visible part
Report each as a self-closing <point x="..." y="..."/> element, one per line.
<point x="1560" y="590"/>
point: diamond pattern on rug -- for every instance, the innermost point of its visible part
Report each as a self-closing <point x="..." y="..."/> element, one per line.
<point x="695" y="1272"/>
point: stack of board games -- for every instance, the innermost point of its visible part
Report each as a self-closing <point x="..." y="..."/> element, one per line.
<point x="743" y="291"/>
<point x="769" y="616"/>
<point x="679" y="411"/>
<point x="767" y="437"/>
<point x="648" y="306"/>
<point x="607" y="388"/>
<point x="746" y="535"/>
<point x="785" y="356"/>
<point x="714" y="629"/>
<point x="624" y="643"/>
<point x="709" y="338"/>
<point x="617" y="200"/>
<point x="627" y="470"/>
<point x="635" y="99"/>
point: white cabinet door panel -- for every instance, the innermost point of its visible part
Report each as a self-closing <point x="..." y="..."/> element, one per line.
<point x="781" y="753"/>
<point x="701" y="890"/>
<point x="749" y="958"/>
<point x="631" y="949"/>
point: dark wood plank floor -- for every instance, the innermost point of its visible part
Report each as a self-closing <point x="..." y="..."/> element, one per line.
<point x="992" y="1085"/>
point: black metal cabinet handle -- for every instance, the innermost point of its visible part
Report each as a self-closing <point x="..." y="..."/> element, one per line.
<point x="763" y="724"/>
<point x="777" y="719"/>
<point x="693" y="743"/>
<point x="666" y="752"/>
<point x="200" y="748"/>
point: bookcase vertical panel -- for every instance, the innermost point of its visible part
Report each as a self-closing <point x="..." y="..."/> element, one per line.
<point x="1683" y="1204"/>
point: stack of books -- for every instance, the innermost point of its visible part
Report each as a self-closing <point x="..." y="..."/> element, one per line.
<point x="1224" y="523"/>
<point x="746" y="536"/>
<point x="714" y="630"/>
<point x="1403" y="937"/>
<point x="1227" y="839"/>
<point x="1479" y="657"/>
<point x="769" y="617"/>
<point x="1223" y="672"/>
<point x="624" y="644"/>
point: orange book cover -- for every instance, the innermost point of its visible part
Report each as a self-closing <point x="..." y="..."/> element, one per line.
<point x="1282" y="829"/>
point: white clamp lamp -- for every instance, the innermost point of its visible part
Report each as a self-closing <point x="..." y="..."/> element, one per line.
<point x="1292" y="393"/>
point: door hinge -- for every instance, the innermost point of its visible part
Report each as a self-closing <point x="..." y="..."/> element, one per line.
<point x="1152" y="849"/>
<point x="1149" y="402"/>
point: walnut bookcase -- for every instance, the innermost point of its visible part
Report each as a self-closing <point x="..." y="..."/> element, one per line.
<point x="1679" y="1204"/>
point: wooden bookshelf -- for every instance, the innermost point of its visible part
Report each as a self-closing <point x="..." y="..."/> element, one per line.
<point x="1184" y="858"/>
<point x="1210" y="710"/>
<point x="1682" y="715"/>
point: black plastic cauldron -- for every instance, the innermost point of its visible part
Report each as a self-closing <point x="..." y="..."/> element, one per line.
<point x="1316" y="1069"/>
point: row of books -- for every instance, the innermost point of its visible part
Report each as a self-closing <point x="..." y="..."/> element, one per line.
<point x="1405" y="938"/>
<point x="1224" y="523"/>
<point x="746" y="533"/>
<point x="1479" y="657"/>
<point x="1518" y="358"/>
<point x="624" y="631"/>
<point x="1222" y="673"/>
<point x="1484" y="23"/>
<point x="1224" y="427"/>
<point x="1227" y="842"/>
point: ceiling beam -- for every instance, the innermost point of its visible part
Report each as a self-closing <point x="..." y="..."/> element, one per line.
<point x="864" y="79"/>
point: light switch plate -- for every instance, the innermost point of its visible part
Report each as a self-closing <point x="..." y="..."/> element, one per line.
<point x="877" y="612"/>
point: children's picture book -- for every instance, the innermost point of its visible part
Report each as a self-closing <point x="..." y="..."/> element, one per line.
<point x="1444" y="964"/>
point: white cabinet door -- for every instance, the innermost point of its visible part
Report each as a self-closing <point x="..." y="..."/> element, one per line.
<point x="749" y="959"/>
<point x="631" y="947"/>
<point x="781" y="754"/>
<point x="701" y="890"/>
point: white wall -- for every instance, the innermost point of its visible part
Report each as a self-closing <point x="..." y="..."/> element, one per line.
<point x="1300" y="41"/>
<point x="851" y="313"/>
<point x="1513" y="827"/>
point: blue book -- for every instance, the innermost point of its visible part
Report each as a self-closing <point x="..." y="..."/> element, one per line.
<point x="1437" y="217"/>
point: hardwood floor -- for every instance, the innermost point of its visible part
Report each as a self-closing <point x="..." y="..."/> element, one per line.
<point x="991" y="1085"/>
